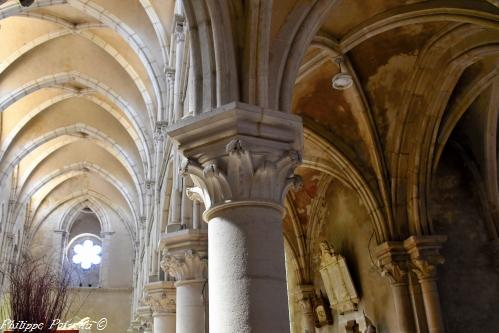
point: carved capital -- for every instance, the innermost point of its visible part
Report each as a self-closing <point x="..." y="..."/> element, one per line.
<point x="426" y="269"/>
<point x="160" y="131"/>
<point x="142" y="222"/>
<point x="392" y="261"/>
<point x="424" y="254"/>
<point x="170" y="74"/>
<point x="179" y="33"/>
<point x="144" y="314"/>
<point x="161" y="297"/>
<point x="195" y="194"/>
<point x="240" y="153"/>
<point x="189" y="265"/>
<point x="305" y="296"/>
<point x="150" y="185"/>
<point x="179" y="28"/>
<point x="245" y="175"/>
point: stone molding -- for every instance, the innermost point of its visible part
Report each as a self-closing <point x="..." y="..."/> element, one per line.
<point x="424" y="254"/>
<point x="190" y="265"/>
<point x="161" y="297"/>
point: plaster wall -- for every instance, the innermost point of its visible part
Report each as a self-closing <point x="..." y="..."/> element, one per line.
<point x="347" y="227"/>
<point x="111" y="303"/>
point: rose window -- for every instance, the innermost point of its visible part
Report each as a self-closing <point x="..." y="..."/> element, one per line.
<point x="87" y="254"/>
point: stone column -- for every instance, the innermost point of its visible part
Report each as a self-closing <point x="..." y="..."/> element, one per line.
<point x="306" y="294"/>
<point x="185" y="259"/>
<point x="424" y="255"/>
<point x="161" y="298"/>
<point x="243" y="158"/>
<point x="392" y="259"/>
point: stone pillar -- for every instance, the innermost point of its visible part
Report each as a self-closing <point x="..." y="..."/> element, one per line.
<point x="424" y="253"/>
<point x="305" y="295"/>
<point x="161" y="298"/>
<point x="185" y="259"/>
<point x="243" y="157"/>
<point x="392" y="259"/>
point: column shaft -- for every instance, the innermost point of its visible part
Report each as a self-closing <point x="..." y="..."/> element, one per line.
<point x="190" y="306"/>
<point x="196" y="215"/>
<point x="164" y="322"/>
<point x="403" y="308"/>
<point x="431" y="301"/>
<point x="246" y="271"/>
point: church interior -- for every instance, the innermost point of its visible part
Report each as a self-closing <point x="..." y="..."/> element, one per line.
<point x="255" y="166"/>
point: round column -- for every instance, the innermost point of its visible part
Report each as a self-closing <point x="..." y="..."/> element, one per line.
<point x="431" y="301"/>
<point x="185" y="259"/>
<point x="164" y="322"/>
<point x="425" y="257"/>
<point x="392" y="259"/>
<point x="247" y="275"/>
<point x="241" y="159"/>
<point x="403" y="307"/>
<point x="191" y="306"/>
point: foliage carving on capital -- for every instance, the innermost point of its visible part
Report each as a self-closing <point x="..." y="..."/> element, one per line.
<point x="427" y="268"/>
<point x="392" y="262"/>
<point x="394" y="271"/>
<point x="190" y="265"/>
<point x="163" y="301"/>
<point x="305" y="297"/>
<point x="160" y="131"/>
<point x="243" y="174"/>
<point x="179" y="28"/>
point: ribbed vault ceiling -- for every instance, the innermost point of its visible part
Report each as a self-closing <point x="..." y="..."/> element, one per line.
<point x="80" y="86"/>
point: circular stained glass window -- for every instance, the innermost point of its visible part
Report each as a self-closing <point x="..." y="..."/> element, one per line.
<point x="87" y="254"/>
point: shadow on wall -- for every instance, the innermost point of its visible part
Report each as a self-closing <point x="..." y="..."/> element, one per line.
<point x="468" y="282"/>
<point x="347" y="227"/>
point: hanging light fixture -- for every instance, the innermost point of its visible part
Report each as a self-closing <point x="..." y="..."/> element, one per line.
<point x="342" y="80"/>
<point x="26" y="3"/>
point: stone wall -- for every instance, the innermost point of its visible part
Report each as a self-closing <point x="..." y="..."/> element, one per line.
<point x="468" y="284"/>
